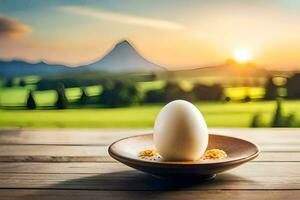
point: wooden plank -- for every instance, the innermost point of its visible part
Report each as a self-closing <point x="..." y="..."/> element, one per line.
<point x="137" y="181"/>
<point x="279" y="147"/>
<point x="107" y="136"/>
<point x="104" y="157"/>
<point x="137" y="195"/>
<point x="288" y="168"/>
<point x="278" y="157"/>
<point x="66" y="136"/>
<point x="46" y="153"/>
<point x="114" y="176"/>
<point x="55" y="153"/>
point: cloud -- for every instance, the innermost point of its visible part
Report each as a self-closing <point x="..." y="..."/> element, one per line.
<point x="10" y="28"/>
<point x="123" y="18"/>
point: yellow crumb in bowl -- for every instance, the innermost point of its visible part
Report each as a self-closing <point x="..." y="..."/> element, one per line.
<point x="214" y="154"/>
<point x="148" y="153"/>
<point x="211" y="154"/>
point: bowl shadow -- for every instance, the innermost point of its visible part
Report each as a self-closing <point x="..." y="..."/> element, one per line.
<point x="138" y="184"/>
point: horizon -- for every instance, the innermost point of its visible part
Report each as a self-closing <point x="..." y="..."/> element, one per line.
<point x="187" y="36"/>
<point x="229" y="60"/>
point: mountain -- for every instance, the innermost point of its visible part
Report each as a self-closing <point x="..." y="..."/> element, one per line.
<point x="22" y="68"/>
<point x="228" y="70"/>
<point x="123" y="58"/>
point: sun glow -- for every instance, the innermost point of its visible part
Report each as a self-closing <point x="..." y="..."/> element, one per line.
<point x="242" y="55"/>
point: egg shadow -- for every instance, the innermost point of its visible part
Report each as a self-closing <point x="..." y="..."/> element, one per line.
<point x="130" y="184"/>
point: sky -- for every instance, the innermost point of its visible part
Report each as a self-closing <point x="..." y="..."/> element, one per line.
<point x="171" y="33"/>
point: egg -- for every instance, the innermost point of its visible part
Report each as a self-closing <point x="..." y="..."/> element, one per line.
<point x="180" y="132"/>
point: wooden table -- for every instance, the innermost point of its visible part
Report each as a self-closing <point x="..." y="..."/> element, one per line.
<point x="74" y="164"/>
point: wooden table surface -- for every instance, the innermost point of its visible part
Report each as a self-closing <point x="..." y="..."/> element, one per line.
<point x="74" y="164"/>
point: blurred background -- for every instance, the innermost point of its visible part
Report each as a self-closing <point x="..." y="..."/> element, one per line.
<point x="116" y="64"/>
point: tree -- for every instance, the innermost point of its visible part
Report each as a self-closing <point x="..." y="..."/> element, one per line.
<point x="255" y="120"/>
<point x="227" y="99"/>
<point x="292" y="86"/>
<point x="208" y="93"/>
<point x="173" y="91"/>
<point x="9" y="82"/>
<point x="30" y="104"/>
<point x="270" y="90"/>
<point x="22" y="83"/>
<point x="84" y="97"/>
<point x="118" y="93"/>
<point x="247" y="98"/>
<point x="154" y="96"/>
<point x="289" y="120"/>
<point x="278" y="118"/>
<point x="62" y="101"/>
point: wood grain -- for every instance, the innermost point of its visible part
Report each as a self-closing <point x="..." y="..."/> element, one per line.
<point x="58" y="153"/>
<point x="47" y="163"/>
<point x="104" y="157"/>
<point x="261" y="169"/>
<point x="114" y="176"/>
<point x="151" y="195"/>
<point x="46" y="153"/>
<point x="107" y="136"/>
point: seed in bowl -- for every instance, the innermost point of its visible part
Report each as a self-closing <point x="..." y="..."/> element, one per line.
<point x="214" y="154"/>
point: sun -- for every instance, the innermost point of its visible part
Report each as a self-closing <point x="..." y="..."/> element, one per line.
<point x="242" y="55"/>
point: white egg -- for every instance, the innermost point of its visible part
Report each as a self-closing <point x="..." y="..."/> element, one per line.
<point x="180" y="132"/>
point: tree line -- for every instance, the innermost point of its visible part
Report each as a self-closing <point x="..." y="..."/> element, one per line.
<point x="123" y="92"/>
<point x="118" y="93"/>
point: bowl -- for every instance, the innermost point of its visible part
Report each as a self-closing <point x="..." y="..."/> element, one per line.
<point x="239" y="151"/>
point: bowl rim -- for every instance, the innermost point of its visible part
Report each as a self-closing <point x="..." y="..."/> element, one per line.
<point x="120" y="157"/>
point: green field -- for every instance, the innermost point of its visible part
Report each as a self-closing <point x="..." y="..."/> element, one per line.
<point x="17" y="96"/>
<point x="220" y="114"/>
<point x="217" y="114"/>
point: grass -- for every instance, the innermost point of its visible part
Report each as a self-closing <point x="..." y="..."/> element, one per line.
<point x="216" y="114"/>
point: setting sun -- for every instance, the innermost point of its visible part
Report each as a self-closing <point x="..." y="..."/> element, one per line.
<point x="242" y="55"/>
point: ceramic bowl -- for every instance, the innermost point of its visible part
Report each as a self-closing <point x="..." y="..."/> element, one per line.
<point x="239" y="151"/>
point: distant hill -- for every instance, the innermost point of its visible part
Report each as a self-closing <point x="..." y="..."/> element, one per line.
<point x="122" y="58"/>
<point x="229" y="69"/>
<point x="22" y="68"/>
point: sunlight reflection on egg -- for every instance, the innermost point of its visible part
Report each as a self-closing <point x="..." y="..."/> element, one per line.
<point x="180" y="132"/>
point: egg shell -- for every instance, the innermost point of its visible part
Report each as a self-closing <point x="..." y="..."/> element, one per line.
<point x="180" y="132"/>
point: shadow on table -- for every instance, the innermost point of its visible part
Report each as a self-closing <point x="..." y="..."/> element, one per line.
<point x="129" y="184"/>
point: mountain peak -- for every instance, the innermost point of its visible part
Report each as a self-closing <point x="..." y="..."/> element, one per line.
<point x="123" y="43"/>
<point x="123" y="57"/>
